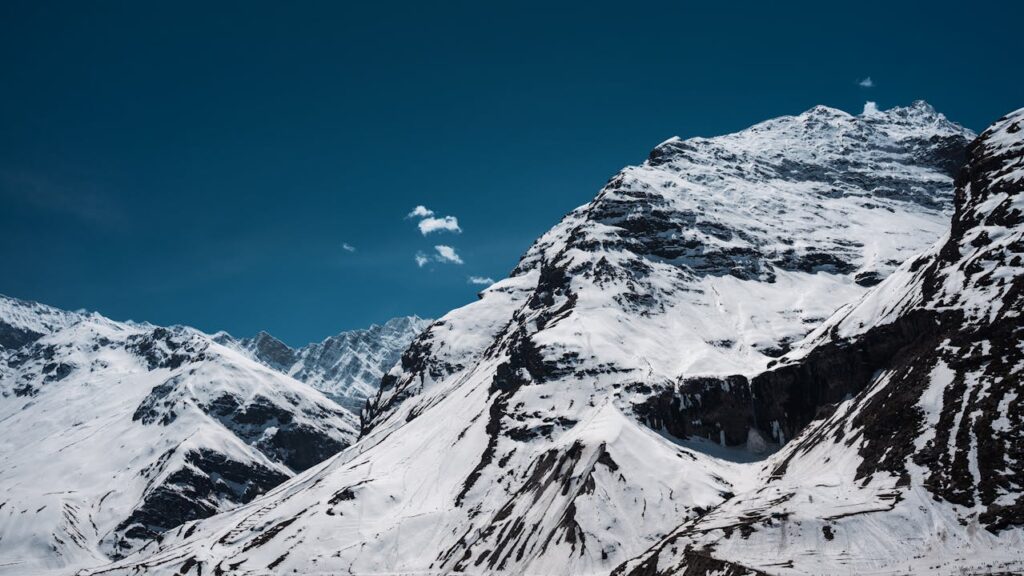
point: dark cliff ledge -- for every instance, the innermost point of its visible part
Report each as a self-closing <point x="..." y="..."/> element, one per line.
<point x="779" y="403"/>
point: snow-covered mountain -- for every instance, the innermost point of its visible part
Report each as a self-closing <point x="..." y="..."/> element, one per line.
<point x="112" y="432"/>
<point x="922" y="472"/>
<point x="23" y="322"/>
<point x="347" y="367"/>
<point x="603" y="394"/>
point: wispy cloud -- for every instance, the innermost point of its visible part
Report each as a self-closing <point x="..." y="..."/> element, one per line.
<point x="348" y="247"/>
<point x="444" y="255"/>
<point x="448" y="223"/>
<point x="447" y="254"/>
<point x="866" y="83"/>
<point x="420" y="211"/>
<point x="429" y="223"/>
<point x="480" y="280"/>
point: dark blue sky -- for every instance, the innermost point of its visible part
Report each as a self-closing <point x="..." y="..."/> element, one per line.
<point x="178" y="163"/>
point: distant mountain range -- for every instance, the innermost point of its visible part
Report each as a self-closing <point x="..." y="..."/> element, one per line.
<point x="347" y="367"/>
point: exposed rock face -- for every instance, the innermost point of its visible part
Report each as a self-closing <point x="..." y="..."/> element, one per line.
<point x="271" y="351"/>
<point x="530" y="431"/>
<point x="921" y="471"/>
<point x="347" y="367"/>
<point x="200" y="489"/>
<point x="112" y="433"/>
<point x="780" y="402"/>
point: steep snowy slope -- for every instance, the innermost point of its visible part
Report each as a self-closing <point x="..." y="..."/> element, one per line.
<point x="111" y="433"/>
<point x="543" y="429"/>
<point x="923" y="471"/>
<point x="347" y="367"/>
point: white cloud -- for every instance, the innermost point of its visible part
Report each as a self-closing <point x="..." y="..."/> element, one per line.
<point x="449" y="223"/>
<point x="866" y="83"/>
<point x="428" y="223"/>
<point x="447" y="254"/>
<point x="870" y="109"/>
<point x="481" y="280"/>
<point x="420" y="211"/>
<point x="348" y="247"/>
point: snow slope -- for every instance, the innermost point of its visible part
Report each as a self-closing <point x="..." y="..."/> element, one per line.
<point x="580" y="410"/>
<point x="921" y="472"/>
<point x="347" y="367"/>
<point x="111" y="433"/>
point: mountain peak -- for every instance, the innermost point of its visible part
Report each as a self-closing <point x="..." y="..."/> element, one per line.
<point x="917" y="121"/>
<point x="405" y="323"/>
<point x="919" y="110"/>
<point x="922" y="106"/>
<point x="347" y="366"/>
<point x="821" y="111"/>
<point x="24" y="321"/>
<point x="917" y="107"/>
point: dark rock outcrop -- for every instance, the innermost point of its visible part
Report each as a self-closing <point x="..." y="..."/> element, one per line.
<point x="192" y="492"/>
